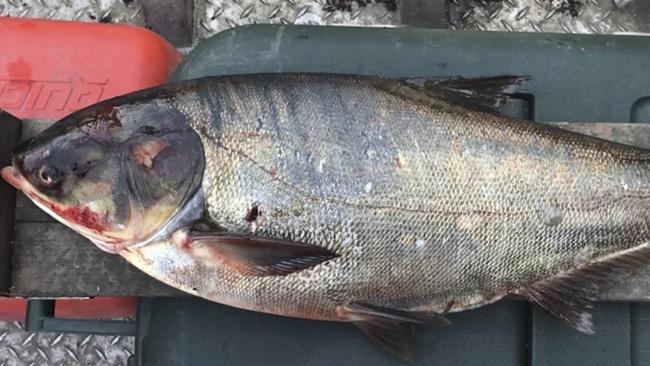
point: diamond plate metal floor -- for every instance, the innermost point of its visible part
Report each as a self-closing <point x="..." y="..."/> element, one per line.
<point x="559" y="16"/>
<point x="213" y="16"/>
<point x="107" y="11"/>
<point x="21" y="348"/>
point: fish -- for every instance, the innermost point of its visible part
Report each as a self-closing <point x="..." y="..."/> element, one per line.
<point x="380" y="202"/>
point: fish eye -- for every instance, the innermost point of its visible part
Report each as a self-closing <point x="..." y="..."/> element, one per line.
<point x="48" y="176"/>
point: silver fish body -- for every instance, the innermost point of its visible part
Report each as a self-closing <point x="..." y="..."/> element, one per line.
<point x="431" y="206"/>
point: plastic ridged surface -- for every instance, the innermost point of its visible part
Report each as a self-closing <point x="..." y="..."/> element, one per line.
<point x="21" y="348"/>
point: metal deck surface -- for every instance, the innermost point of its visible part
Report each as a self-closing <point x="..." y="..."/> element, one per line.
<point x="106" y="11"/>
<point x="563" y="16"/>
<point x="21" y="348"/>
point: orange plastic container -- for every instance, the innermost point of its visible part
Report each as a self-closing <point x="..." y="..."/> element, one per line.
<point x="49" y="69"/>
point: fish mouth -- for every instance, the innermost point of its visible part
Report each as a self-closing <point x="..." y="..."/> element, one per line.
<point x="11" y="176"/>
<point x="105" y="242"/>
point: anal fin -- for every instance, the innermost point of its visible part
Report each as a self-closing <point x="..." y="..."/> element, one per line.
<point x="390" y="328"/>
<point x="569" y="295"/>
<point x="394" y="337"/>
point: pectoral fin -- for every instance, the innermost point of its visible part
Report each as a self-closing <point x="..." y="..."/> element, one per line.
<point x="390" y="328"/>
<point x="253" y="255"/>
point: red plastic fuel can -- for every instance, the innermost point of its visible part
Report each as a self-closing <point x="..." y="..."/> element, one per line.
<point x="49" y="69"/>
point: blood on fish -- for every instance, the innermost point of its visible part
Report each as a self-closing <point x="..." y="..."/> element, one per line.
<point x="252" y="214"/>
<point x="186" y="245"/>
<point x="84" y="216"/>
<point x="248" y="134"/>
<point x="105" y="111"/>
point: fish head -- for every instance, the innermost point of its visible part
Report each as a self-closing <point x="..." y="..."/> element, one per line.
<point x="114" y="173"/>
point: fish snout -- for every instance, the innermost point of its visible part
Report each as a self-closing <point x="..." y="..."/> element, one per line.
<point x="12" y="176"/>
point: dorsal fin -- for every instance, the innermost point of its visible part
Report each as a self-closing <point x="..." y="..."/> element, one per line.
<point x="569" y="295"/>
<point x="484" y="94"/>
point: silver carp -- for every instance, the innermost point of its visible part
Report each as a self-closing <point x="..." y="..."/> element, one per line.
<point x="375" y="201"/>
